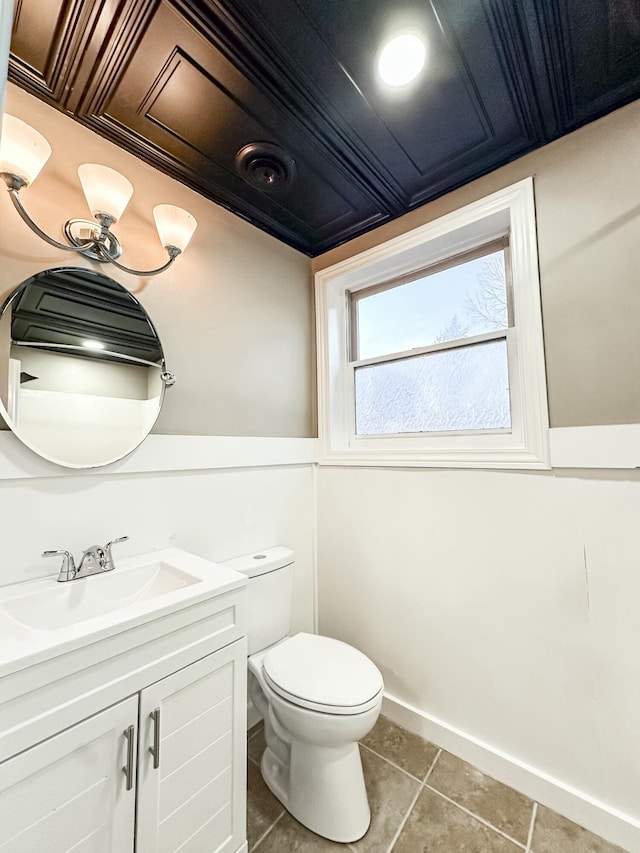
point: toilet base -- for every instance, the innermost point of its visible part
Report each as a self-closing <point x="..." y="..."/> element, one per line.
<point x="323" y="789"/>
<point x="312" y="762"/>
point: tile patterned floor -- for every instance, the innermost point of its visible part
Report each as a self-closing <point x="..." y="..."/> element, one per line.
<point x="423" y="800"/>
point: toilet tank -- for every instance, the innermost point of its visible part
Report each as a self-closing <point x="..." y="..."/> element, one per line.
<point x="269" y="594"/>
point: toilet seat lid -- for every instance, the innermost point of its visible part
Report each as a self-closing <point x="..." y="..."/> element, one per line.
<point x="322" y="673"/>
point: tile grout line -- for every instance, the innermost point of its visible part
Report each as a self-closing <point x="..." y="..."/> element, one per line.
<point x="405" y="819"/>
<point x="413" y="801"/>
<point x="534" y="814"/>
<point x="422" y="785"/>
<point x="397" y="766"/>
<point x="526" y="846"/>
<point x="258" y="729"/>
<point x="476" y="817"/>
<point x="267" y="831"/>
<point x="431" y="766"/>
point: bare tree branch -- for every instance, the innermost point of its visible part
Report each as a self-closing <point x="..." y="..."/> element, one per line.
<point x="489" y="306"/>
<point x="452" y="332"/>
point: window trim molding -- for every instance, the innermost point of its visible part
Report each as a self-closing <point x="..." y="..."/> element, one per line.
<point x="526" y="446"/>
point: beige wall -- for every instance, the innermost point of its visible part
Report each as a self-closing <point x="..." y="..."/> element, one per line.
<point x="587" y="188"/>
<point x="234" y="313"/>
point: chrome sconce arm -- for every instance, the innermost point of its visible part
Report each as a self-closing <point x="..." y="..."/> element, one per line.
<point x="24" y="152"/>
<point x="14" y="185"/>
<point x="102" y="246"/>
<point x="173" y="254"/>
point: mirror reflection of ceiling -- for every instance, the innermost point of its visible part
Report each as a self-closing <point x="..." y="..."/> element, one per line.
<point x="68" y="401"/>
<point x="273" y="109"/>
<point x="69" y="306"/>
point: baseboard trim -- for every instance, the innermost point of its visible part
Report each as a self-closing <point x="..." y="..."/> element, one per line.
<point x="594" y="815"/>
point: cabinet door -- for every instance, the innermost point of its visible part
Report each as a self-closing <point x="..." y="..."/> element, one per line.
<point x="192" y="763"/>
<point x="69" y="793"/>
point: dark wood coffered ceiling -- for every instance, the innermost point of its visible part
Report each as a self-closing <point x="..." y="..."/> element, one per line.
<point x="272" y="108"/>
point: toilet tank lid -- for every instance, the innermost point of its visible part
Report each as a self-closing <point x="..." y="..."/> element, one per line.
<point x="261" y="562"/>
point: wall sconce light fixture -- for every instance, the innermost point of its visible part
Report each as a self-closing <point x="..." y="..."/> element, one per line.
<point x="23" y="153"/>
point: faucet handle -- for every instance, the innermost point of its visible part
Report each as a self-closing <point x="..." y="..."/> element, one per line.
<point x="109" y="564"/>
<point x="68" y="567"/>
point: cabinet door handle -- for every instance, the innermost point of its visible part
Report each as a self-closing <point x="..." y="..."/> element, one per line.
<point x="129" y="734"/>
<point x="155" y="749"/>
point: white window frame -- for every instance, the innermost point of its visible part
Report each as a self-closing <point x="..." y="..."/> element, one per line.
<point x="511" y="212"/>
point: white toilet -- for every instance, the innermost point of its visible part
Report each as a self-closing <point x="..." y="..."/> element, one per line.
<point x="317" y="697"/>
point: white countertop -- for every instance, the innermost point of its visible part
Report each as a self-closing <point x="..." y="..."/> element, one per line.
<point x="62" y="606"/>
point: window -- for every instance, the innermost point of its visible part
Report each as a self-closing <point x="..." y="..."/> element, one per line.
<point x="430" y="346"/>
<point x="430" y="354"/>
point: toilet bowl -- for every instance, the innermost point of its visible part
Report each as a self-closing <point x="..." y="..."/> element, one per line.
<point x="318" y="697"/>
<point x="312" y="728"/>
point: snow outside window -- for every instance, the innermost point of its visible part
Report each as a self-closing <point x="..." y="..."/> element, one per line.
<point x="430" y="354"/>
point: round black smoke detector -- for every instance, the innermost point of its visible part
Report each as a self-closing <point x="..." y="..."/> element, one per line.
<point x="265" y="166"/>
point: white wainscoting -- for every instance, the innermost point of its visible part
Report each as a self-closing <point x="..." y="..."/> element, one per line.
<point x="502" y="609"/>
<point x="217" y="497"/>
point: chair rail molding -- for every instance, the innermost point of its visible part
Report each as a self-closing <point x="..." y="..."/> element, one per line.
<point x="168" y="453"/>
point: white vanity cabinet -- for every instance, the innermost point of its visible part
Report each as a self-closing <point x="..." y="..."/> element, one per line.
<point x="68" y="793"/>
<point x="77" y="790"/>
<point x="191" y="765"/>
<point x="134" y="740"/>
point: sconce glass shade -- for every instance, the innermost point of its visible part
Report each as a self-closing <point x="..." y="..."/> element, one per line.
<point x="175" y="225"/>
<point x="23" y="151"/>
<point x="107" y="191"/>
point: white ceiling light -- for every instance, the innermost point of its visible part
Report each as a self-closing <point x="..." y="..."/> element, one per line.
<point x="402" y="59"/>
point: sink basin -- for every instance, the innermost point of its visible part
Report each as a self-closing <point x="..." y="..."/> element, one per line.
<point x="76" y="601"/>
<point x="42" y="618"/>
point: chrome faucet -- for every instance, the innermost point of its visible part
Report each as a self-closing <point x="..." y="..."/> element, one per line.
<point x="95" y="559"/>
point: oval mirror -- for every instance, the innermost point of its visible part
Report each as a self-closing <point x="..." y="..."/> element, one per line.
<point x="82" y="372"/>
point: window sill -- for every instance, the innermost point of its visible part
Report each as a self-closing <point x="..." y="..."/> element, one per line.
<point x="519" y="459"/>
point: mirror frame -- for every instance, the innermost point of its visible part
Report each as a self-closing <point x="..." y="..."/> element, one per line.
<point x="167" y="378"/>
